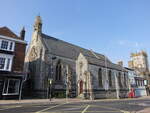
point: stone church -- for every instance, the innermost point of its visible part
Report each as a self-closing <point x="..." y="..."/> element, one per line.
<point x="67" y="69"/>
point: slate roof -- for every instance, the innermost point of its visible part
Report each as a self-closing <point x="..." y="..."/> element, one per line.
<point x="5" y="31"/>
<point x="65" y="49"/>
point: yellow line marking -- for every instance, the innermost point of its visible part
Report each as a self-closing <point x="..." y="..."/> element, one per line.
<point x="85" y="109"/>
<point x="49" y="108"/>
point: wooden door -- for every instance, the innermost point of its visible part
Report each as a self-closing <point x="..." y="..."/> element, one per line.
<point x="81" y="86"/>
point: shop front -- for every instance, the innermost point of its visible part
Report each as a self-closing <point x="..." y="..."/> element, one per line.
<point x="11" y="85"/>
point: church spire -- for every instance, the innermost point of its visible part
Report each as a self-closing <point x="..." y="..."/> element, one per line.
<point x="38" y="24"/>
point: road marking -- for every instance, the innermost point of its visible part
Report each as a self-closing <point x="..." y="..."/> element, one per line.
<point x="81" y="112"/>
<point x="10" y="107"/>
<point x="63" y="112"/>
<point x="115" y="109"/>
<point x="50" y="108"/>
<point x="106" y="107"/>
<point x="85" y="109"/>
<point x="103" y="111"/>
<point x="69" y="109"/>
<point x="125" y="111"/>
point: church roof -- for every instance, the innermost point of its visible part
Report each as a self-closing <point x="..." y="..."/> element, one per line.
<point x="65" y="49"/>
<point x="104" y="63"/>
<point x="5" y="31"/>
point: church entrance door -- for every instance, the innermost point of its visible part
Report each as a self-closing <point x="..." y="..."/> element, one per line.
<point x="81" y="86"/>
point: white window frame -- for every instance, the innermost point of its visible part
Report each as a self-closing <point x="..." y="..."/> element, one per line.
<point x="7" y="90"/>
<point x="5" y="44"/>
<point x="9" y="43"/>
<point x="6" y="56"/>
<point x="2" y="62"/>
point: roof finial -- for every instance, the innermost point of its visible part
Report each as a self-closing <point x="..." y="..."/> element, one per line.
<point x="38" y="20"/>
<point x="38" y="24"/>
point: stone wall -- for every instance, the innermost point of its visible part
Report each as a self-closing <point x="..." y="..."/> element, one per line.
<point x="106" y="91"/>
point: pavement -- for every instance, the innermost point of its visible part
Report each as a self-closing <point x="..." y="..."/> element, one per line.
<point x="61" y="100"/>
<point x="134" y="105"/>
<point x="44" y="101"/>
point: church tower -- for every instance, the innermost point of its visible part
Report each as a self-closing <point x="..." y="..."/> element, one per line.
<point x="139" y="62"/>
<point x="38" y="25"/>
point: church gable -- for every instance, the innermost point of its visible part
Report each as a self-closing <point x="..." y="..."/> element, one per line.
<point x="81" y="66"/>
<point x="36" y="48"/>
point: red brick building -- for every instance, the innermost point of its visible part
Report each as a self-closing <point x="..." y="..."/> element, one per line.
<point x="12" y="54"/>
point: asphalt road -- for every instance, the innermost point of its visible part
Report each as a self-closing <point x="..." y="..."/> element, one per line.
<point x="98" y="106"/>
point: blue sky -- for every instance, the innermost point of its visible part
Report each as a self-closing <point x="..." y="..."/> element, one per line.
<point x="111" y="27"/>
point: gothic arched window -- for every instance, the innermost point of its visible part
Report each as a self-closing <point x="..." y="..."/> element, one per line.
<point x="58" y="71"/>
<point x="100" y="77"/>
<point x="109" y="78"/>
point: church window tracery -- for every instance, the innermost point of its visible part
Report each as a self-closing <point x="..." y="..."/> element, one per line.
<point x="100" y="77"/>
<point x="58" y="71"/>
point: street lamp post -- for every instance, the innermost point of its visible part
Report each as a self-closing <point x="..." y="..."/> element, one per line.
<point x="50" y="83"/>
<point x="50" y="79"/>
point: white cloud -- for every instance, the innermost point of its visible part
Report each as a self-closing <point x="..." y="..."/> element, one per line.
<point x="130" y="43"/>
<point x="121" y="42"/>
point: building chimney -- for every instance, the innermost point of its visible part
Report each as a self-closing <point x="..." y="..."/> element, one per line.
<point x="22" y="33"/>
<point x="120" y="63"/>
